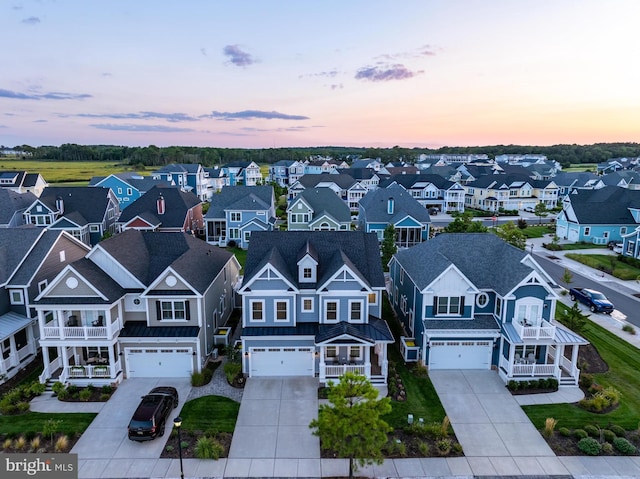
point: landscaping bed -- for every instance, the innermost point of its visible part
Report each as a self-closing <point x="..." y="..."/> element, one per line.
<point x="79" y="394"/>
<point x="221" y="443"/>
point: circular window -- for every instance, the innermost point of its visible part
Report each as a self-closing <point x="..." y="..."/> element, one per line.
<point x="136" y="301"/>
<point x="72" y="283"/>
<point x="482" y="299"/>
<point x="171" y="281"/>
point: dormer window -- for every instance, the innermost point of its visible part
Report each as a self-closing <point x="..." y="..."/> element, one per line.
<point x="307" y="273"/>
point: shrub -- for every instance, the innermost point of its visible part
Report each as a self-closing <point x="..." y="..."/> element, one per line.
<point x="549" y="426"/>
<point x="7" y="407"/>
<point x="607" y="448"/>
<point x="91" y="387"/>
<point x="512" y="385"/>
<point x="57" y="388"/>
<point x="197" y="380"/>
<point x="564" y="431"/>
<point x="7" y="444"/>
<point x="617" y="430"/>
<point x="51" y="427"/>
<point x="444" y="426"/>
<point x="208" y="374"/>
<point x="627" y="328"/>
<point x="418" y="429"/>
<point x="592" y="430"/>
<point x="107" y="389"/>
<point x="72" y="389"/>
<point x="586" y="380"/>
<point x="423" y="447"/>
<point x="22" y="407"/>
<point x="208" y="448"/>
<point x="35" y="443"/>
<point x="169" y="448"/>
<point x="612" y="395"/>
<point x="401" y="449"/>
<point x="457" y="447"/>
<point x="105" y="397"/>
<point x="580" y="433"/>
<point x="36" y="388"/>
<point x="552" y="383"/>
<point x="608" y="435"/>
<point x="231" y="370"/>
<point x="624" y="446"/>
<point x="63" y="395"/>
<point x="62" y="444"/>
<point x="20" y="443"/>
<point x="589" y="446"/>
<point x="184" y="444"/>
<point x="85" y="395"/>
<point x="444" y="446"/>
<point x="522" y="223"/>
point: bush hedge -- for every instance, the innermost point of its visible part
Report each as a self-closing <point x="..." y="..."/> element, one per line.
<point x="624" y="446"/>
<point x="589" y="446"/>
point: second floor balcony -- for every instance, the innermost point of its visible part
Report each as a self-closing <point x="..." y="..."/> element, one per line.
<point x="534" y="329"/>
<point x="79" y="325"/>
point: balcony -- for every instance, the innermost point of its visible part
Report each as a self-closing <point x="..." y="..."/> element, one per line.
<point x="534" y="329"/>
<point x="94" y="330"/>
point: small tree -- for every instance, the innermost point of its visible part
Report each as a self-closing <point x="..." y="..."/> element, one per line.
<point x="567" y="277"/>
<point x="512" y="235"/>
<point x="350" y="425"/>
<point x="540" y="211"/>
<point x="573" y="318"/>
<point x="464" y="224"/>
<point x="389" y="247"/>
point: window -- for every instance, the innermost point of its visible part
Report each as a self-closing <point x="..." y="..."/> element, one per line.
<point x="395" y="295"/>
<point x="62" y="256"/>
<point x="307" y="273"/>
<point x="354" y="353"/>
<point x="282" y="311"/>
<point x="129" y="191"/>
<point x="482" y="300"/>
<point x="331" y="310"/>
<point x="21" y="339"/>
<point x="401" y="275"/>
<point x="94" y="229"/>
<point x="355" y="311"/>
<point x="448" y="305"/>
<point x="247" y="235"/>
<point x="623" y="230"/>
<point x="174" y="310"/>
<point x="16" y="296"/>
<point x="234" y="233"/>
<point x="257" y="310"/>
<point x="119" y="191"/>
<point x="42" y="285"/>
<point x="331" y="352"/>
<point x="373" y="298"/>
<point x="587" y="230"/>
<point x="307" y="305"/>
<point x="236" y="216"/>
<point x="6" y="348"/>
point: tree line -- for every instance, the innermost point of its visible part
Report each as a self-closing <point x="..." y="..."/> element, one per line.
<point x="208" y="156"/>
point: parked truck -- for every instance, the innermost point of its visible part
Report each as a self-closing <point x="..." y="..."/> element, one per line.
<point x="595" y="300"/>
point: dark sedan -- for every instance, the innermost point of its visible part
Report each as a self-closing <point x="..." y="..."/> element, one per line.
<point x="150" y="417"/>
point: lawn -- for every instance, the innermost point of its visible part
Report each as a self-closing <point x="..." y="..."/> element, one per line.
<point x="577" y="168"/>
<point x="580" y="245"/>
<point x="240" y="254"/>
<point x="624" y="363"/>
<point x="71" y="173"/>
<point x="608" y="264"/>
<point x="210" y="414"/>
<point x="537" y="231"/>
<point x="33" y="422"/>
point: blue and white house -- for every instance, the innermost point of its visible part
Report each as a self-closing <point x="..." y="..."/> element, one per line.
<point x="394" y="206"/>
<point x="245" y="173"/>
<point x="237" y="212"/>
<point x="492" y="310"/>
<point x="128" y="187"/>
<point x="318" y="209"/>
<point x="281" y="172"/>
<point x="186" y="176"/>
<point x="599" y="216"/>
<point x="311" y="306"/>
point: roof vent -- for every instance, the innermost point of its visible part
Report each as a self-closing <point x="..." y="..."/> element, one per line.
<point x="160" y="205"/>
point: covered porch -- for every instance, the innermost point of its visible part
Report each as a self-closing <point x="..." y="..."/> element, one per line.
<point x="82" y="365"/>
<point x="78" y="323"/>
<point x="217" y="232"/>
<point x="18" y="343"/>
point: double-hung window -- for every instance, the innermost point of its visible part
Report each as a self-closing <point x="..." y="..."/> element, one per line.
<point x="331" y="310"/>
<point x="282" y="311"/>
<point x="257" y="310"/>
<point x="236" y="216"/>
<point x="355" y="311"/>
<point x="174" y="310"/>
<point x="449" y="305"/>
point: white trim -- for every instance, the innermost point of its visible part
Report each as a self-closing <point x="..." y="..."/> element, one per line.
<point x="324" y="318"/>
<point x="19" y="299"/>
<point x="313" y="304"/>
<point x="362" y="310"/>
<point x="162" y="276"/>
<point x="262" y="303"/>
<point x="275" y="311"/>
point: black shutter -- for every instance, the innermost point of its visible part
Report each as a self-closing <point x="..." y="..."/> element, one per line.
<point x="435" y="306"/>
<point x="158" y="310"/>
<point x="462" y="305"/>
<point x="187" y="311"/>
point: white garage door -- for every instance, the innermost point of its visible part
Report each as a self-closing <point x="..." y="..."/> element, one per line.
<point x="159" y="362"/>
<point x="281" y="362"/>
<point x="460" y="354"/>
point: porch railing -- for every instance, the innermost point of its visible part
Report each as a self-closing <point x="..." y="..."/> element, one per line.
<point x="531" y="370"/>
<point x="89" y="371"/>
<point x="337" y="370"/>
<point x="80" y="332"/>
<point x="545" y="330"/>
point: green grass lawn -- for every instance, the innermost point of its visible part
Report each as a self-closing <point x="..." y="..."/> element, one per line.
<point x="536" y="231"/>
<point x="580" y="245"/>
<point x="210" y="413"/>
<point x="241" y="256"/>
<point x="580" y="167"/>
<point x="607" y="263"/>
<point x="624" y="363"/>
<point x="33" y="422"/>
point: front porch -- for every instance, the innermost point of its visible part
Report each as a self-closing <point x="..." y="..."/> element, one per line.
<point x="367" y="360"/>
<point x="17" y="343"/>
<point x="544" y="361"/>
<point x="82" y="365"/>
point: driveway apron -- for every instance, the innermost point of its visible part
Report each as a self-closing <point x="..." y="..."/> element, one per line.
<point x="486" y="418"/>
<point x="106" y="437"/>
<point x="274" y="417"/>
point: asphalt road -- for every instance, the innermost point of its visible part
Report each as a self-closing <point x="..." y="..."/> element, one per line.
<point x="627" y="306"/>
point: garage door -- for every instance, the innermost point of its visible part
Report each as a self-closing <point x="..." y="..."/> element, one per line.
<point x="460" y="354"/>
<point x="159" y="362"/>
<point x="281" y="362"/>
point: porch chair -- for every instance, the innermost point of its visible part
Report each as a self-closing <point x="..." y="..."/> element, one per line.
<point x="531" y="358"/>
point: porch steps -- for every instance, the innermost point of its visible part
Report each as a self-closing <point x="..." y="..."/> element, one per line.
<point x="48" y="386"/>
<point x="567" y="382"/>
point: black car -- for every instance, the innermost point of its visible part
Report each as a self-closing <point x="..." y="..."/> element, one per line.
<point x="150" y="417"/>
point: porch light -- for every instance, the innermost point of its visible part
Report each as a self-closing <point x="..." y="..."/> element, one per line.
<point x="316" y="354"/>
<point x="246" y="354"/>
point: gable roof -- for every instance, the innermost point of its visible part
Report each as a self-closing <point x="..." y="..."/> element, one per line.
<point x="325" y="201"/>
<point x="408" y="181"/>
<point x="499" y="267"/>
<point x="12" y="202"/>
<point x="607" y="205"/>
<point x="15" y="243"/>
<point x="246" y="198"/>
<point x="343" y="180"/>
<point x="146" y="255"/>
<point x="89" y="203"/>
<point x="374" y="205"/>
<point x="177" y="204"/>
<point x="577" y="179"/>
<point x="15" y="177"/>
<point x="189" y="168"/>
<point x="282" y="249"/>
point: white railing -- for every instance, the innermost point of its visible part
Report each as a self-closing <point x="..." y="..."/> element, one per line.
<point x="80" y="332"/>
<point x="545" y="330"/>
<point x="26" y="351"/>
<point x="337" y="370"/>
<point x="528" y="369"/>
<point x="89" y="371"/>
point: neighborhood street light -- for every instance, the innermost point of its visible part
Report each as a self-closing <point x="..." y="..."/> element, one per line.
<point x="177" y="422"/>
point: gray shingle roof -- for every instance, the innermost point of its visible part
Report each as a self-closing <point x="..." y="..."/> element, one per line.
<point x="325" y="201"/>
<point x="578" y="179"/>
<point x="374" y="206"/>
<point x="88" y="202"/>
<point x="247" y="198"/>
<point x="407" y="181"/>
<point x="12" y="202"/>
<point x="608" y="205"/>
<point x="28" y="268"/>
<point x="177" y="205"/>
<point x="14" y="245"/>
<point x="360" y="248"/>
<point x="479" y="321"/>
<point x="146" y="255"/>
<point x="179" y="168"/>
<point x="498" y="268"/>
<point x="342" y="180"/>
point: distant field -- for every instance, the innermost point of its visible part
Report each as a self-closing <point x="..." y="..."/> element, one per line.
<point x="66" y="172"/>
<point x="580" y="167"/>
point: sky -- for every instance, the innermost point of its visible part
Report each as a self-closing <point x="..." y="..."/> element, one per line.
<point x="272" y="74"/>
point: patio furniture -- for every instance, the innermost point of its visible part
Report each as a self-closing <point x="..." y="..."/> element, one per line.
<point x="72" y="321"/>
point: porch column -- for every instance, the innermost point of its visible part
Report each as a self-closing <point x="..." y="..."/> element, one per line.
<point x="512" y="352"/>
<point x="41" y="323"/>
<point x="559" y="353"/>
<point x="574" y="358"/>
<point x="65" y="362"/>
<point x="31" y="340"/>
<point x="322" y="372"/>
<point x="112" y="362"/>
<point x="60" y="316"/>
<point x="46" y="361"/>
<point x="13" y="356"/>
<point x="367" y="362"/>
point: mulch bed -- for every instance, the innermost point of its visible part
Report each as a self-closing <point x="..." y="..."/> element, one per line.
<point x="45" y="446"/>
<point x="590" y="361"/>
<point x="171" y="450"/>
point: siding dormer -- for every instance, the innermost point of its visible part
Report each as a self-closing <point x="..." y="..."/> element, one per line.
<point x="308" y="265"/>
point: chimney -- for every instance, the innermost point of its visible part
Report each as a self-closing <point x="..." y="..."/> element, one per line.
<point x="60" y="204"/>
<point x="160" y="204"/>
<point x="390" y="206"/>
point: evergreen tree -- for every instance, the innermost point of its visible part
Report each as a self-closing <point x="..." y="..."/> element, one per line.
<point x="388" y="247"/>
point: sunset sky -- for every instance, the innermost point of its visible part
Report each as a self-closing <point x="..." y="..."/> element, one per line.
<point x="254" y="74"/>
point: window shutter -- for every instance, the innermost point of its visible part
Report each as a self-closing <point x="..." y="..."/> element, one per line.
<point x="158" y="310"/>
<point x="461" y="304"/>
<point x="187" y="311"/>
<point x="435" y="306"/>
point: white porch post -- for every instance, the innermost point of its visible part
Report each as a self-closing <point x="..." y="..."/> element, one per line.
<point x="65" y="360"/>
<point x="13" y="357"/>
<point x="41" y="324"/>
<point x="367" y="362"/>
<point x="112" y="362"/>
<point x="574" y="359"/>
<point x="322" y="371"/>
<point x="46" y="373"/>
<point x="559" y="352"/>
<point x="60" y="315"/>
<point x="512" y="352"/>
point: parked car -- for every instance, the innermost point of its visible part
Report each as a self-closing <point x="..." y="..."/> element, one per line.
<point x="596" y="301"/>
<point x="617" y="248"/>
<point x="150" y="417"/>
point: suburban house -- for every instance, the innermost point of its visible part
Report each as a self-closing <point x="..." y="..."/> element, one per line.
<point x="237" y="212"/>
<point x="492" y="310"/>
<point x="164" y="209"/>
<point x="510" y="192"/>
<point x="85" y="212"/>
<point x="13" y="206"/>
<point x="127" y="187"/>
<point x="570" y="181"/>
<point x="139" y="304"/>
<point x="345" y="186"/>
<point x="216" y="180"/>
<point x="322" y="165"/>
<point x="23" y="182"/>
<point x="599" y="216"/>
<point x="318" y="209"/>
<point x="431" y="191"/>
<point x="29" y="259"/>
<point x="311" y="306"/>
<point x="186" y="176"/>
<point x="396" y="207"/>
<point x="245" y="173"/>
<point x="281" y="172"/>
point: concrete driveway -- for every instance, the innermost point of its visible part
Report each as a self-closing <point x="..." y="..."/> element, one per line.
<point x="486" y="418"/>
<point x="106" y="437"/>
<point x="274" y="418"/>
